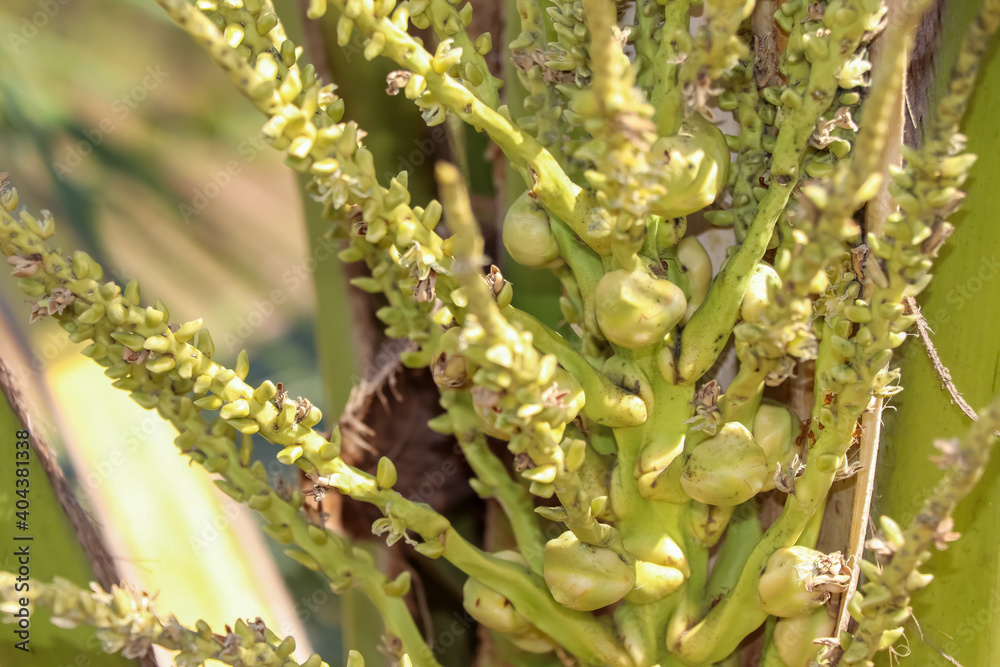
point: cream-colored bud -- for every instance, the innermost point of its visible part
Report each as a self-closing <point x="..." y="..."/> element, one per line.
<point x="585" y="577"/>
<point x="727" y="469"/>
<point x="636" y="308"/>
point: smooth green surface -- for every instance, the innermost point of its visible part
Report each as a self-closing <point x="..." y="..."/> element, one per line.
<point x="53" y="551"/>
<point x="959" y="613"/>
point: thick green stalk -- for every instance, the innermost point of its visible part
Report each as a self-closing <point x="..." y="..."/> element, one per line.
<point x="667" y="96"/>
<point x="491" y="473"/>
<point x="739" y="542"/>
<point x="644" y="452"/>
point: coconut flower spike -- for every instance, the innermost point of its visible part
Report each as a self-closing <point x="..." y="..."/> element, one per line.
<point x="883" y="606"/>
<point x="126" y="621"/>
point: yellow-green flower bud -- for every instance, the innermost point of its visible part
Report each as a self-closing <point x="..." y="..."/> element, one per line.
<point x="386" y="473"/>
<point x="584" y="577"/>
<point x="798" y="579"/>
<point x="635" y="309"/>
<point x="527" y="235"/>
<point x="450" y="368"/>
<point x="727" y="469"/>
<point x="793" y="637"/>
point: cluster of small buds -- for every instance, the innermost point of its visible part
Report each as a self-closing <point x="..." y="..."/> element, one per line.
<point x="544" y="106"/>
<point x="619" y="121"/>
<point x="714" y="50"/>
<point x="776" y="329"/>
<point x="126" y="621"/>
<point x="521" y="395"/>
<point x="570" y="53"/>
<point x="397" y="240"/>
<point x="450" y="26"/>
<point x="750" y="168"/>
<point x="156" y="363"/>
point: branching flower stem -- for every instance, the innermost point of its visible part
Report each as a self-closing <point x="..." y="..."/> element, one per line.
<point x="705" y="336"/>
<point x="127" y="621"/>
<point x="493" y="475"/>
<point x="541" y="171"/>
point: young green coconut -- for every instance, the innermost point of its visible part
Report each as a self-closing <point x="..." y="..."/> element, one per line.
<point x="635" y="308"/>
<point x="798" y="579"/>
<point x="585" y="577"/>
<point x="793" y="637"/>
<point x="727" y="469"/>
<point x="527" y="235"/>
<point x="694" y="165"/>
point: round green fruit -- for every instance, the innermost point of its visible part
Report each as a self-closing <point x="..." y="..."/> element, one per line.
<point x="584" y="577"/>
<point x="727" y="469"/>
<point x="527" y="235"/>
<point x="693" y="166"/>
<point x="797" y="580"/>
<point x="635" y="308"/>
